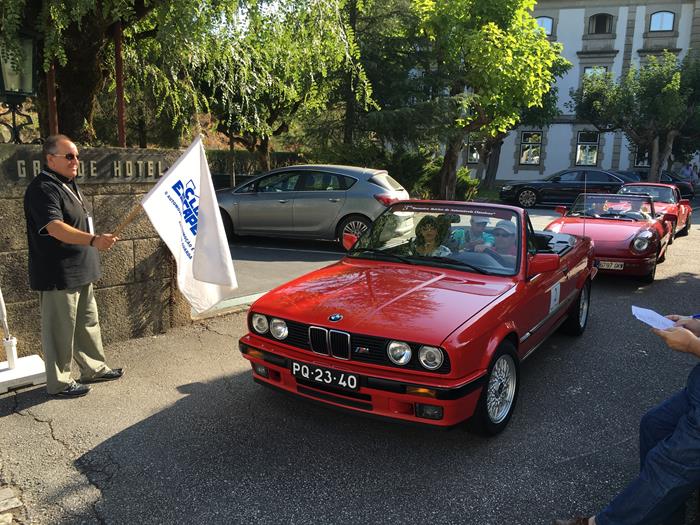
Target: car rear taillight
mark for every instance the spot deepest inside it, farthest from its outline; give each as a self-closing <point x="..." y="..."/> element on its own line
<point x="386" y="199"/>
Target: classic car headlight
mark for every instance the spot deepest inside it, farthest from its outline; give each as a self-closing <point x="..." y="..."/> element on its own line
<point x="399" y="352"/>
<point x="278" y="329"/>
<point x="641" y="242"/>
<point x="507" y="187"/>
<point x="430" y="357"/>
<point x="259" y="323"/>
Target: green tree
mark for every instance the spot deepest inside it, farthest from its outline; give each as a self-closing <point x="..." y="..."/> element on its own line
<point x="491" y="60"/>
<point x="652" y="104"/>
<point x="76" y="35"/>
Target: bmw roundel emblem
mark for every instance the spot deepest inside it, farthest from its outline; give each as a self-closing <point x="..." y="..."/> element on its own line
<point x="335" y="317"/>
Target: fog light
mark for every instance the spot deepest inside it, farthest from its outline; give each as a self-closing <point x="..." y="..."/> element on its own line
<point x="428" y="411"/>
<point x="261" y="370"/>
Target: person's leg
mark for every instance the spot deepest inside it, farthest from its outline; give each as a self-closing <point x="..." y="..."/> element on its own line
<point x="89" y="353"/>
<point x="58" y="310"/>
<point x="660" y="422"/>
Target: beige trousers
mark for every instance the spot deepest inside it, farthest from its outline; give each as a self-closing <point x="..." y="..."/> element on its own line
<point x="70" y="329"/>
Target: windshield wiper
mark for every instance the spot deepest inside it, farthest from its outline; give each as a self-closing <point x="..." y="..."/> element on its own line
<point x="455" y="262"/>
<point x="375" y="251"/>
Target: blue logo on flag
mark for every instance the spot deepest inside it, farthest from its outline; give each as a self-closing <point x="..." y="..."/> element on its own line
<point x="190" y="203"/>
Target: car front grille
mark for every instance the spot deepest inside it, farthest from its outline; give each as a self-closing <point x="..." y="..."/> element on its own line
<point x="349" y="346"/>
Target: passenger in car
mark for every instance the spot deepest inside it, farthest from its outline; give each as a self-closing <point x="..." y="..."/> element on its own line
<point x="429" y="234"/>
<point x="476" y="237"/>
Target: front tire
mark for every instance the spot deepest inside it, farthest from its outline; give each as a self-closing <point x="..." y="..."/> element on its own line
<point x="686" y="229"/>
<point x="527" y="198"/>
<point x="649" y="278"/>
<point x="498" y="397"/>
<point x="577" y="320"/>
<point x="228" y="224"/>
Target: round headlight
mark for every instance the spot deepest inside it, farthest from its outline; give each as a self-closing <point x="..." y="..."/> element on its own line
<point x="430" y="357"/>
<point x="278" y="329"/>
<point x="399" y="352"/>
<point x="642" y="241"/>
<point x="259" y="323"/>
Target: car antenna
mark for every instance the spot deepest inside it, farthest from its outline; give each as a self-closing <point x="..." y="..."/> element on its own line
<point x="585" y="198"/>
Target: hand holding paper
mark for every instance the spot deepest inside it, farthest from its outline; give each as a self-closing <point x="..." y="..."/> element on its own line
<point x="652" y="318"/>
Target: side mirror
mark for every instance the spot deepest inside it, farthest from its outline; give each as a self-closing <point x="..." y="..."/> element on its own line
<point x="541" y="263"/>
<point x="670" y="217"/>
<point x="684" y="202"/>
<point x="349" y="240"/>
<point x="561" y="210"/>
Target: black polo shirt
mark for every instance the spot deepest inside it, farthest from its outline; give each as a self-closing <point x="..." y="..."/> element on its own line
<point x="55" y="265"/>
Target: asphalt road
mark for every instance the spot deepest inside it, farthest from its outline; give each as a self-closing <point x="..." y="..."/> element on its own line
<point x="186" y="436"/>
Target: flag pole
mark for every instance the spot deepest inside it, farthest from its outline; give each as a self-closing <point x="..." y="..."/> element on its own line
<point x="129" y="218"/>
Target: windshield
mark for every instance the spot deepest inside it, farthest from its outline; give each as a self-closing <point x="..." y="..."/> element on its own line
<point x="631" y="207"/>
<point x="477" y="239"/>
<point x="659" y="193"/>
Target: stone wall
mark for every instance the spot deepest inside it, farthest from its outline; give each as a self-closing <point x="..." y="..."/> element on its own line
<point x="136" y="295"/>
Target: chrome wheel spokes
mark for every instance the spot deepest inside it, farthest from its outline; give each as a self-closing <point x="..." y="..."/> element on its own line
<point x="501" y="389"/>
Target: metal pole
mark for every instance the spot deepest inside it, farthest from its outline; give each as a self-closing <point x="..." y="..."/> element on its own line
<point x="51" y="95"/>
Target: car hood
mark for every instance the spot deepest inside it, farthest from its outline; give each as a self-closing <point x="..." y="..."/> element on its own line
<point x="605" y="230"/>
<point x="411" y="303"/>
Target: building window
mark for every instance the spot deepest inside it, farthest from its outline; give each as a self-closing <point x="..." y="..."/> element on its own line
<point x="545" y="23"/>
<point x="594" y="70"/>
<point x="641" y="157"/>
<point x="661" y="21"/>
<point x="587" y="148"/>
<point x="600" y="24"/>
<point x="530" y="148"/>
<point x="472" y="152"/>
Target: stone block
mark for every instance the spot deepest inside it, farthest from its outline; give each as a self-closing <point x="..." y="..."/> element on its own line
<point x="13" y="234"/>
<point x="118" y="208"/>
<point x="181" y="309"/>
<point x="134" y="310"/>
<point x="117" y="265"/>
<point x="152" y="260"/>
<point x="14" y="277"/>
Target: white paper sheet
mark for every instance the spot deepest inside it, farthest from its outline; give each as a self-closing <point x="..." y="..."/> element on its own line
<point x="651" y="318"/>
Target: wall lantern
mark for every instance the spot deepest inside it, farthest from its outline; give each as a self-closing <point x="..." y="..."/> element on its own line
<point x="18" y="83"/>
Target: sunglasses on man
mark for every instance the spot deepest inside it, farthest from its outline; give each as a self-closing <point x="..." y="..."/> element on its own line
<point x="67" y="156"/>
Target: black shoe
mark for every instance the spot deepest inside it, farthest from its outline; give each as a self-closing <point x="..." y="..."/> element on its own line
<point x="73" y="390"/>
<point x="109" y="375"/>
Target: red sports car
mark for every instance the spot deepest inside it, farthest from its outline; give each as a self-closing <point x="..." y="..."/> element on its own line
<point x="629" y="237"/>
<point x="427" y="317"/>
<point x="667" y="199"/>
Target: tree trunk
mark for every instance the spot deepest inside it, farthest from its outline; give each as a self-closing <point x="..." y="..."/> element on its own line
<point x="448" y="171"/>
<point x="653" y="175"/>
<point x="231" y="159"/>
<point x="142" y="132"/>
<point x="263" y="153"/>
<point x="665" y="153"/>
<point x="350" y="108"/>
<point x="492" y="166"/>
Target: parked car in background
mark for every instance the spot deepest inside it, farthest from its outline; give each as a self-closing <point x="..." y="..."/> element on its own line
<point x="430" y="336"/>
<point x="308" y="201"/>
<point x="667" y="177"/>
<point x="667" y="199"/>
<point x="563" y="187"/>
<point x="628" y="236"/>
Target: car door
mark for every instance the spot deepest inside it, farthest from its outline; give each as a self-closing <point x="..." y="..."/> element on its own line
<point x="546" y="297"/>
<point x="318" y="203"/>
<point x="601" y="182"/>
<point x="564" y="188"/>
<point x="266" y="206"/>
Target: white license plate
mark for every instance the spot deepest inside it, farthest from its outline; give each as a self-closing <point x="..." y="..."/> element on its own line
<point x="611" y="265"/>
<point x="325" y="376"/>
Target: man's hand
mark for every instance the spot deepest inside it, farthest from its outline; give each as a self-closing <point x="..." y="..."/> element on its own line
<point x="104" y="241"/>
<point x="686" y="322"/>
<point x="680" y="339"/>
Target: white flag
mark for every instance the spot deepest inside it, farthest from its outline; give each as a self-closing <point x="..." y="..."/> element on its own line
<point x="183" y="209"/>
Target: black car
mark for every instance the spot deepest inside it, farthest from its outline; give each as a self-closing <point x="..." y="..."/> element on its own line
<point x="563" y="187"/>
<point x="667" y="177"/>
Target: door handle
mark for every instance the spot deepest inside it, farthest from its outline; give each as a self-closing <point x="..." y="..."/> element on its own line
<point x="334" y="200"/>
<point x="282" y="201"/>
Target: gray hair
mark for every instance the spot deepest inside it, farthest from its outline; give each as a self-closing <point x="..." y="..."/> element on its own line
<point x="51" y="144"/>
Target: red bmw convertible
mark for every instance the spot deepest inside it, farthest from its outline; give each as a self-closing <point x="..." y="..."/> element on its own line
<point x="427" y="317"/>
<point x="629" y="236"/>
<point x="667" y="199"/>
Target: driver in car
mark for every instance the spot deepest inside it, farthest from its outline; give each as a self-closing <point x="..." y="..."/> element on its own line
<point x="504" y="238"/>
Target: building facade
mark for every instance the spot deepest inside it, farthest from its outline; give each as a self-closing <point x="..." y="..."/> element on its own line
<point x="596" y="35"/>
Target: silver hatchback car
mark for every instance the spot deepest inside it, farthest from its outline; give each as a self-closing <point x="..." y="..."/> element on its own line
<point x="311" y="201"/>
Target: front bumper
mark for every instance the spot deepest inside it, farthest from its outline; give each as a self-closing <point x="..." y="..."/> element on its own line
<point x="637" y="266"/>
<point x="454" y="401"/>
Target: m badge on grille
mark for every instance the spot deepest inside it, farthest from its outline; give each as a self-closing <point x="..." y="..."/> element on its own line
<point x="361" y="350"/>
<point x="335" y="317"/>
